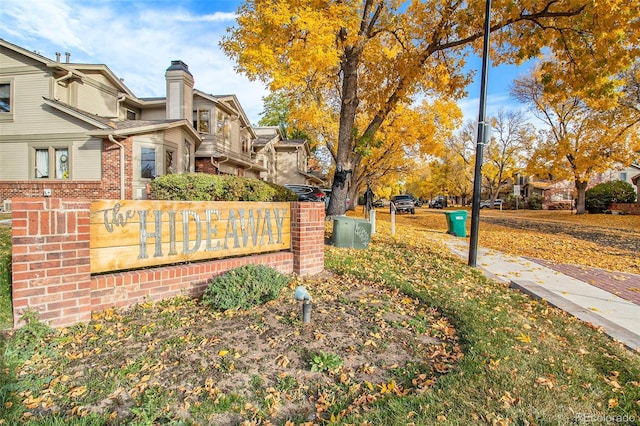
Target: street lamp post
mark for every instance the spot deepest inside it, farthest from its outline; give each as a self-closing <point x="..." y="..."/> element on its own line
<point x="481" y="139"/>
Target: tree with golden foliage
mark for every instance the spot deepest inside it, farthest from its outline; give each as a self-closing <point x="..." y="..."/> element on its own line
<point x="585" y="134"/>
<point x="406" y="137"/>
<point x="512" y="140"/>
<point x="353" y="63"/>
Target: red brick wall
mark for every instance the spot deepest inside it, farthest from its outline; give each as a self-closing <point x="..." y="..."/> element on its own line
<point x="203" y="165"/>
<point x="307" y="237"/>
<point x="51" y="263"/>
<point x="626" y="208"/>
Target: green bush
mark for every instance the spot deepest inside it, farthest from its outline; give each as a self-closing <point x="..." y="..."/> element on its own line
<point x="206" y="187"/>
<point x="534" y="202"/>
<point x="244" y="287"/>
<point x="599" y="198"/>
<point x="510" y="202"/>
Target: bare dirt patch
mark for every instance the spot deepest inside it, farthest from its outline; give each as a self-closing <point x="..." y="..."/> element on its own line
<point x="263" y="363"/>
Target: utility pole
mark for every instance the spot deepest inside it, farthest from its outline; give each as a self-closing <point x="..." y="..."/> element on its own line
<point x="481" y="140"/>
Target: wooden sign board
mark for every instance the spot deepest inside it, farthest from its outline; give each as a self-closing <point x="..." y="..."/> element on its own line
<point x="128" y="234"/>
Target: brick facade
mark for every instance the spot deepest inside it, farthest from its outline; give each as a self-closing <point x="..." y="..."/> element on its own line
<point x="626" y="208"/>
<point x="203" y="165"/>
<point x="51" y="263"/>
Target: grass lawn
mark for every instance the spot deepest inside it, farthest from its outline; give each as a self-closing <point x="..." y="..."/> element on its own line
<point x="490" y="355"/>
<point x="6" y="315"/>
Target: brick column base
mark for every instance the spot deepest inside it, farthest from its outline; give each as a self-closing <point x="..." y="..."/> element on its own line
<point x="307" y="237"/>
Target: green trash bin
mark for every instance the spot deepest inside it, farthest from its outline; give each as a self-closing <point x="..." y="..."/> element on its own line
<point x="343" y="231"/>
<point x="350" y="232"/>
<point x="457" y="222"/>
<point x="361" y="234"/>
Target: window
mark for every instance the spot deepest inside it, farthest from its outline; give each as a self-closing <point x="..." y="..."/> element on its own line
<point x="148" y="163"/>
<point x="186" y="160"/>
<point x="131" y="115"/>
<point x="203" y="121"/>
<point x="245" y="145"/>
<point x="623" y="176"/>
<point x="51" y="163"/>
<point x="5" y="97"/>
<point x="169" y="162"/>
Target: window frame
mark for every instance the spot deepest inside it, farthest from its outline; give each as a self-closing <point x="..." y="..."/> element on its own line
<point x="155" y="162"/>
<point x="203" y="116"/>
<point x="170" y="157"/>
<point x="186" y="156"/>
<point x="52" y="162"/>
<point x="8" y="115"/>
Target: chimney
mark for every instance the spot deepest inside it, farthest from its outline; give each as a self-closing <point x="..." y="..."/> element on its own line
<point x="57" y="56"/>
<point x="67" y="55"/>
<point x="179" y="91"/>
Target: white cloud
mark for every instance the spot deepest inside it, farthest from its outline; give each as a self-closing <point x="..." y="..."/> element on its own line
<point x="136" y="40"/>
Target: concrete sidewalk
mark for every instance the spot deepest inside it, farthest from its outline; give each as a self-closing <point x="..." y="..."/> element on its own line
<point x="618" y="317"/>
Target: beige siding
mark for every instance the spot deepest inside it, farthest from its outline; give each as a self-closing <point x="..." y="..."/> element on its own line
<point x="287" y="168"/>
<point x="13" y="161"/>
<point x="154" y="113"/>
<point x="86" y="160"/>
<point x="95" y="98"/>
<point x="152" y="140"/>
<point x="30" y="112"/>
<point x="16" y="157"/>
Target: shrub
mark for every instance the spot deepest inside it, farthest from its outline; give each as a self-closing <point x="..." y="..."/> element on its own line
<point x="206" y="187"/>
<point x="534" y="202"/>
<point x="599" y="198"/>
<point x="510" y="202"/>
<point x="244" y="287"/>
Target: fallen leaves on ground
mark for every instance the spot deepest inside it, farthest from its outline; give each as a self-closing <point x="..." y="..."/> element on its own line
<point x="610" y="242"/>
<point x="244" y="364"/>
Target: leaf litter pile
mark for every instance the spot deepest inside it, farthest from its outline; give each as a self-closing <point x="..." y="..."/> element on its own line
<point x="363" y="341"/>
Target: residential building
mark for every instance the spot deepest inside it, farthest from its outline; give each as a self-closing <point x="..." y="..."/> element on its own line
<point x="77" y="131"/>
<point x="626" y="174"/>
<point x="285" y="161"/>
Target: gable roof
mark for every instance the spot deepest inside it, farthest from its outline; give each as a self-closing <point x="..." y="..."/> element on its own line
<point x="76" y="69"/>
<point x="230" y="104"/>
<point x="106" y="126"/>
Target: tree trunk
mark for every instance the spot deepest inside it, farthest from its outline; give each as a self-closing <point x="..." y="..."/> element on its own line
<point x="346" y="143"/>
<point x="581" y="187"/>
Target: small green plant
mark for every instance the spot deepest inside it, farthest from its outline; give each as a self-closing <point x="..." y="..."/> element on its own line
<point x="323" y="361"/>
<point x="286" y="383"/>
<point x="244" y="287"/>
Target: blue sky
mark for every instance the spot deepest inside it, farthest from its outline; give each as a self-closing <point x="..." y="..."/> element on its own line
<point x="138" y="40"/>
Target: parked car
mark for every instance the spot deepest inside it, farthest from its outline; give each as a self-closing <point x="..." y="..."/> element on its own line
<point x="437" y="203"/>
<point x="403" y="203"/>
<point x="307" y="192"/>
<point x="487" y="203"/>
<point x="378" y="203"/>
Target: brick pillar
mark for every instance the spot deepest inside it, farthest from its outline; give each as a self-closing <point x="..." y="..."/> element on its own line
<point x="307" y="237"/>
<point x="51" y="260"/>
